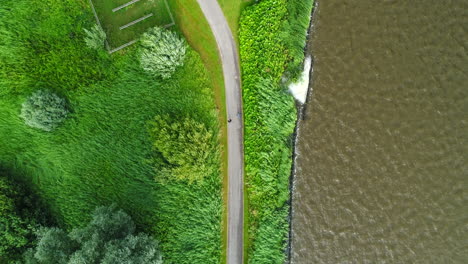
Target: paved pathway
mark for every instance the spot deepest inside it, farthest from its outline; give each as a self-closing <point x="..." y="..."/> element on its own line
<point x="230" y="60"/>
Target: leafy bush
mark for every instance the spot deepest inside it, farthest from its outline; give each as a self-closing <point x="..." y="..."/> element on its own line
<point x="267" y="53"/>
<point x="187" y="145"/>
<point x="162" y="51"/>
<point x="95" y="37"/>
<point x="108" y="238"/>
<point x="44" y="110"/>
<point x="15" y="232"/>
<point x="20" y="214"/>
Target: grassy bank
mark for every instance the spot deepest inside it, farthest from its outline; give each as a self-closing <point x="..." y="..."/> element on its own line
<point x="102" y="153"/>
<point x="192" y="23"/>
<point x="232" y="10"/>
<point x="272" y="39"/>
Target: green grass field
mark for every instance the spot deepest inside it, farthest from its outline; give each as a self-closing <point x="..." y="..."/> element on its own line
<point x="112" y="21"/>
<point x="102" y="153"/>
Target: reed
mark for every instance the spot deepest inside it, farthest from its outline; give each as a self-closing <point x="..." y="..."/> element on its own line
<point x="272" y="39"/>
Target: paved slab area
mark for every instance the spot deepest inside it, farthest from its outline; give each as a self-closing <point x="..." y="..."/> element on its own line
<point x="135" y="21"/>
<point x="124" y="5"/>
<point x="125" y="25"/>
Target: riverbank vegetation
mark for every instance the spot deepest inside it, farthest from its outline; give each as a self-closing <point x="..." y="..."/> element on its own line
<point x="103" y="151"/>
<point x="272" y="40"/>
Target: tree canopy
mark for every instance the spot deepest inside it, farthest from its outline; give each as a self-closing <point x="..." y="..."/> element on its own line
<point x="20" y="215"/>
<point x="44" y="110"/>
<point x="14" y="230"/>
<point x="108" y="238"/>
<point x="186" y="145"/>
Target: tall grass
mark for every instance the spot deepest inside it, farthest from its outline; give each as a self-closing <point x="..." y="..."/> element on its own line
<point x="102" y="153"/>
<point x="192" y="23"/>
<point x="293" y="34"/>
<point x="272" y="39"/>
<point x="232" y="11"/>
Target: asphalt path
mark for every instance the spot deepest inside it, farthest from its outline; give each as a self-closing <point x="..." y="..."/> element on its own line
<point x="230" y="62"/>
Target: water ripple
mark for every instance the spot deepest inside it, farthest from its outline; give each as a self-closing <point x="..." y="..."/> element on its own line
<point x="382" y="166"/>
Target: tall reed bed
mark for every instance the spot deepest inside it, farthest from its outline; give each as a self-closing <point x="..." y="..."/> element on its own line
<point x="272" y="39"/>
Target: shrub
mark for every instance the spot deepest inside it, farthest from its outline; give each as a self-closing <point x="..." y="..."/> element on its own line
<point x="162" y="52"/>
<point x="20" y="215"/>
<point x="187" y="146"/>
<point x="95" y="38"/>
<point x="44" y="110"/>
<point x="15" y="232"/>
<point x="108" y="238"/>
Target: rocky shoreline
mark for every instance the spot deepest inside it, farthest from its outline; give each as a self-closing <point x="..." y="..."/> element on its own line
<point x="301" y="109"/>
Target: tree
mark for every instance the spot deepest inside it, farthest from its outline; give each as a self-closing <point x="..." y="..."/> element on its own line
<point x="162" y="51"/>
<point x="95" y="37"/>
<point x="44" y="110"/>
<point x="14" y="230"/>
<point x="187" y="146"/>
<point x="54" y="246"/>
<point x="108" y="238"/>
<point x="20" y="215"/>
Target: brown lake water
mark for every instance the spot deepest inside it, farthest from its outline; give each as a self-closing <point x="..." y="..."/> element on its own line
<point x="382" y="151"/>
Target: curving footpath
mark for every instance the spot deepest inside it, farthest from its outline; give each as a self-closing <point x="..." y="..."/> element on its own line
<point x="230" y="61"/>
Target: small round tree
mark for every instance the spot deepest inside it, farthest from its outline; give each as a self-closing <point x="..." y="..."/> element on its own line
<point x="162" y="51"/>
<point x="44" y="110"/>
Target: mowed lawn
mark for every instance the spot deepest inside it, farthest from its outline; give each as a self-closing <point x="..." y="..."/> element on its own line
<point x="112" y="21"/>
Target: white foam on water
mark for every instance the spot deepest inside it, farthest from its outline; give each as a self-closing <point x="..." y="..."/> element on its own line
<point x="300" y="88"/>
